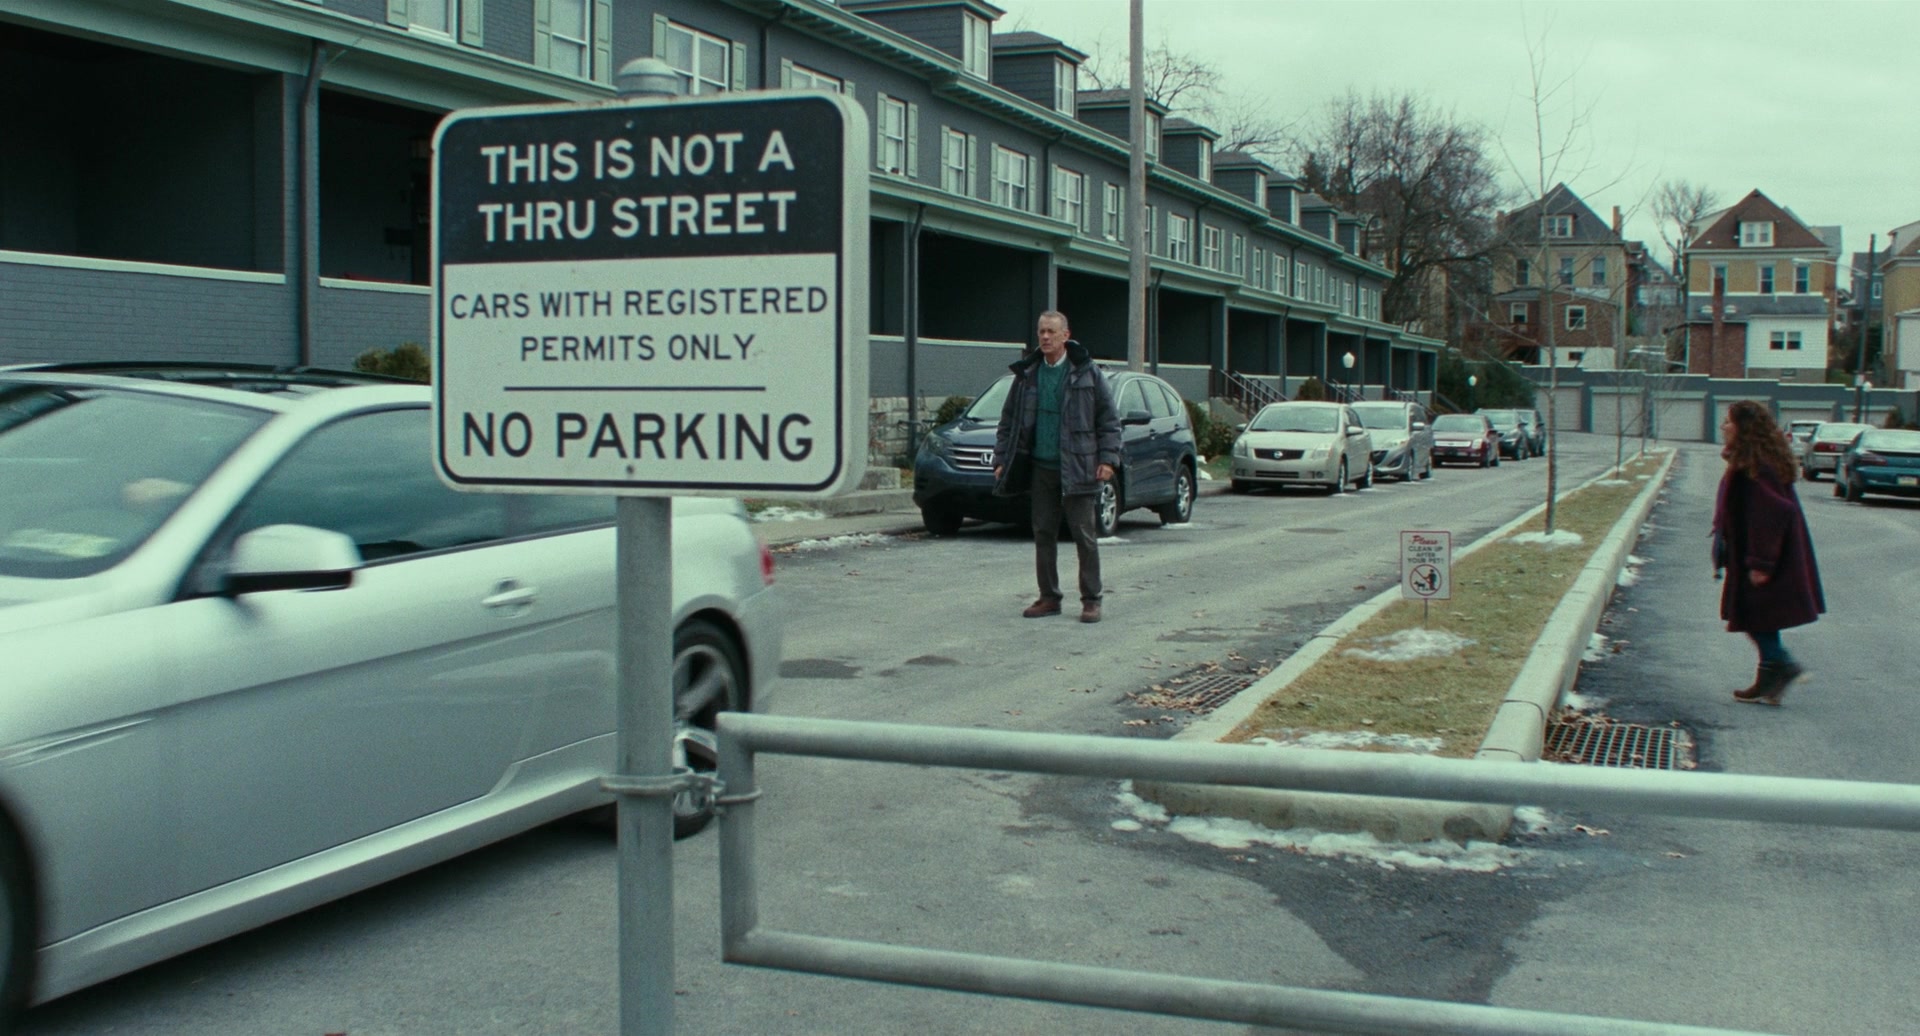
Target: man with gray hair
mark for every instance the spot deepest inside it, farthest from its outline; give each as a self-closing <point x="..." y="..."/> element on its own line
<point x="1059" y="439"/>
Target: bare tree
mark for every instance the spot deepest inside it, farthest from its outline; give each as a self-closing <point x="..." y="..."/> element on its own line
<point x="1193" y="89"/>
<point x="1679" y="205"/>
<point x="1424" y="178"/>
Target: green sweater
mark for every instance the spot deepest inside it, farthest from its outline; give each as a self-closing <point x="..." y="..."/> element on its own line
<point x="1050" y="393"/>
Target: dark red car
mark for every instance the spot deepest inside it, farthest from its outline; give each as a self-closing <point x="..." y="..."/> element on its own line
<point x="1465" y="439"/>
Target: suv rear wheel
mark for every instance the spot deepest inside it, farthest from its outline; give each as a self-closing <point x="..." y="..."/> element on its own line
<point x="940" y="521"/>
<point x="1106" y="508"/>
<point x="1180" y="508"/>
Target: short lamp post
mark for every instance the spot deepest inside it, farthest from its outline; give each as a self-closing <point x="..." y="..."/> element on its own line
<point x="1347" y="362"/>
<point x="1472" y="380"/>
<point x="1861" y="387"/>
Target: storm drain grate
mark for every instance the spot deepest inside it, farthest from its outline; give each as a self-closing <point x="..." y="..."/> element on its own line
<point x="1207" y="691"/>
<point x="1615" y="744"/>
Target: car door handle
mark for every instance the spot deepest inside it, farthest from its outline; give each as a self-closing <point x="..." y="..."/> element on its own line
<point x="510" y="594"/>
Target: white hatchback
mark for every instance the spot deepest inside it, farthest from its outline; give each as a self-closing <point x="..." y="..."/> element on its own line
<point x="257" y="656"/>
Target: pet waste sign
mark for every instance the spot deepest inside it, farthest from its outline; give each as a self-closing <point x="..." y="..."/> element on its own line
<point x="1426" y="565"/>
<point x="652" y="297"/>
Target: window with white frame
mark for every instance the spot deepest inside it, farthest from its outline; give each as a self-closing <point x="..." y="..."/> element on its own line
<point x="1875" y="291"/>
<point x="1180" y="238"/>
<point x="956" y="162"/>
<point x="1113" y="212"/>
<point x="1802" y="276"/>
<point x="432" y="15"/>
<point x="1346" y="297"/>
<point x="1784" y="341"/>
<point x="1210" y="247"/>
<point x="1719" y="282"/>
<point x="1151" y="217"/>
<point x="1320" y="285"/>
<point x="1258" y="275"/>
<point x="1576" y="318"/>
<point x="1153" y="137"/>
<point x="975" y="55"/>
<point x="1558" y="226"/>
<point x="1522" y="273"/>
<point x="1517" y="312"/>
<point x="570" y="43"/>
<point x="1066" y="86"/>
<point x="704" y="61"/>
<point x="1599" y="271"/>
<point x="1765" y="270"/>
<point x="1566" y="269"/>
<point x="1070" y="197"/>
<point x="1012" y="179"/>
<point x="1756" y="235"/>
<point x="1301" y="283"/>
<point x="1206" y="159"/>
<point x="1260" y="189"/>
<point x="1237" y="256"/>
<point x="1279" y="274"/>
<point x="800" y="77"/>
<point x="890" y="148"/>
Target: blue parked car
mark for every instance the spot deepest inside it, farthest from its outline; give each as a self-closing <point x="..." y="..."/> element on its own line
<point x="1879" y="460"/>
<point x="953" y="471"/>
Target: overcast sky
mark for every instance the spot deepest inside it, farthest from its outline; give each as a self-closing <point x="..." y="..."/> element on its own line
<point x="1814" y="102"/>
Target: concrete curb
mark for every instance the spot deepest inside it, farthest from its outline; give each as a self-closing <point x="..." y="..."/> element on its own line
<point x="1517" y="731"/>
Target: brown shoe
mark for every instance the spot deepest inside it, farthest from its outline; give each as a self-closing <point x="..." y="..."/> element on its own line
<point x="1042" y="607"/>
<point x="1090" y="612"/>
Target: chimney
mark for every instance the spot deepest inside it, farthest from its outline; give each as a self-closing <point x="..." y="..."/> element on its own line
<point x="1616" y="221"/>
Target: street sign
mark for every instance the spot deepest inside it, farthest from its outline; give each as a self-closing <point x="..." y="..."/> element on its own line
<point x="1426" y="565"/>
<point x="652" y="297"/>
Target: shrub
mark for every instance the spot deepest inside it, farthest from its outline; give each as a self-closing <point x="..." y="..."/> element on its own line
<point x="406" y="360"/>
<point x="1218" y="441"/>
<point x="953" y="407"/>
<point x="1312" y="389"/>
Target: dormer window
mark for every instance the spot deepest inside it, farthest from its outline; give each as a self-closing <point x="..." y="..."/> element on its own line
<point x="1558" y="226"/>
<point x="1756" y="235"/>
<point x="1153" y="137"/>
<point x="1206" y="159"/>
<point x="1066" y="85"/>
<point x="975" y="55"/>
<point x="1260" y="189"/>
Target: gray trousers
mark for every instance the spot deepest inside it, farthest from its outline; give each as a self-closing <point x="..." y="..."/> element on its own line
<point x="1048" y="506"/>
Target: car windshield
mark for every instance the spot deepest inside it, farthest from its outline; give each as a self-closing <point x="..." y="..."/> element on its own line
<point x="1502" y="419"/>
<point x="1896" y="440"/>
<point x="986" y="409"/>
<point x="1382" y="416"/>
<point x="91" y="473"/>
<point x="1458" y="423"/>
<point x="1295" y="419"/>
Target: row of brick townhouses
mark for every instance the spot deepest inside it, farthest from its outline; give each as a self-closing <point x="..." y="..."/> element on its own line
<point x="249" y="180"/>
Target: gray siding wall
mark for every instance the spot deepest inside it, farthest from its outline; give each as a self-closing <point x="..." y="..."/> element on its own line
<point x="349" y="321"/>
<point x="54" y="313"/>
<point x="938" y="28"/>
<point x="941" y="370"/>
<point x="1030" y="76"/>
<point x="1111" y="121"/>
<point x="1181" y="152"/>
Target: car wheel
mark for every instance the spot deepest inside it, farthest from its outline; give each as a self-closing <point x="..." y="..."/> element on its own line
<point x="1340" y="480"/>
<point x="1854" y="491"/>
<point x="1366" y="478"/>
<point x="1807" y="473"/>
<point x="940" y="521"/>
<point x="17" y="927"/>
<point x="708" y="679"/>
<point x="1240" y="485"/>
<point x="1427" y="471"/>
<point x="1839" y="490"/>
<point x="1106" y="509"/>
<point x="1181" y="507"/>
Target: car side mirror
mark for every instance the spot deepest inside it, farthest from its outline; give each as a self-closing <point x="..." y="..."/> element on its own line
<point x="1419" y="426"/>
<point x="290" y="557"/>
<point x="1136" y="417"/>
<point x="1354" y="429"/>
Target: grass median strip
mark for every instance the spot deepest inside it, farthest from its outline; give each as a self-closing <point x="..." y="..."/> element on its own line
<point x="1445" y="680"/>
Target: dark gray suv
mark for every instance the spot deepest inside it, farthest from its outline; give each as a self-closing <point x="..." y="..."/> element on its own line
<point x="953" y="471"/>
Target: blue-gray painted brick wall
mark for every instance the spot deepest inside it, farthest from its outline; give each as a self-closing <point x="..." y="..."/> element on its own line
<point x="54" y="313"/>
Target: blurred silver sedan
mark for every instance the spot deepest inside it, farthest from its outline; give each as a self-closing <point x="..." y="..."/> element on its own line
<point x="258" y="657"/>
<point x="1299" y="442"/>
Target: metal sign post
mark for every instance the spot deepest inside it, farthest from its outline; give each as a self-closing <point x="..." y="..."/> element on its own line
<point x="654" y="297"/>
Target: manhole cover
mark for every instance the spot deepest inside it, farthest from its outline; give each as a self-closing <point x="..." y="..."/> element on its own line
<point x="1617" y="744"/>
<point x="1198" y="692"/>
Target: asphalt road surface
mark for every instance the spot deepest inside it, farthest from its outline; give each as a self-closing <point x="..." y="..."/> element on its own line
<point x="1802" y="929"/>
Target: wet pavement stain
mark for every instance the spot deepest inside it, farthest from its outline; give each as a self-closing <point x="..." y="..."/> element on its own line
<point x="818" y="669"/>
<point x="933" y="660"/>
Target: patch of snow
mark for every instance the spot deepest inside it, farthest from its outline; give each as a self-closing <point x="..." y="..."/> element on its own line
<point x="1636" y="560"/>
<point x="1628" y="576"/>
<point x="1596" y="649"/>
<point x="786" y="514"/>
<point x="1128" y="825"/>
<point x="1409" y="644"/>
<point x="1351" y="739"/>
<point x="1612" y="482"/>
<point x="1531" y="820"/>
<point x="1581" y="702"/>
<point x="1205" y="475"/>
<point x="1558" y="538"/>
<point x="853" y="539"/>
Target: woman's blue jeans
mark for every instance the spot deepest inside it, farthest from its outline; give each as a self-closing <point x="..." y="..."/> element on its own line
<point x="1772" y="652"/>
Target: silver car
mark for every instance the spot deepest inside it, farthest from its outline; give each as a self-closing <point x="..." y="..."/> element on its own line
<point x="258" y="657"/>
<point x="1299" y="442"/>
<point x="1402" y="443"/>
<point x="1824" y="447"/>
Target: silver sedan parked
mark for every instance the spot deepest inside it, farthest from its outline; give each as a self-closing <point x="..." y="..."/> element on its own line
<point x="258" y="657"/>
<point x="1821" y="454"/>
<point x="1300" y="442"/>
<point x="1402" y="443"/>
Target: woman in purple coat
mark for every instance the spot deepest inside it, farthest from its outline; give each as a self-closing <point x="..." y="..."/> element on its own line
<point x="1760" y="536"/>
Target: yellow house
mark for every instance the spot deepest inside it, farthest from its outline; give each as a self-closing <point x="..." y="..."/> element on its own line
<point x="1760" y="293"/>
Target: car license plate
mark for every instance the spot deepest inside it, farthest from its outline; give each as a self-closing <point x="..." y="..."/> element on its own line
<point x="1910" y="480"/>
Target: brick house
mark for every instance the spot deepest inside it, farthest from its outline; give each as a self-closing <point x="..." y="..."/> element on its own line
<point x="1760" y="293"/>
<point x="1559" y="264"/>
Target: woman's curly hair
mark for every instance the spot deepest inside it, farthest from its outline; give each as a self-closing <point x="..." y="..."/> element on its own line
<point x="1758" y="447"/>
